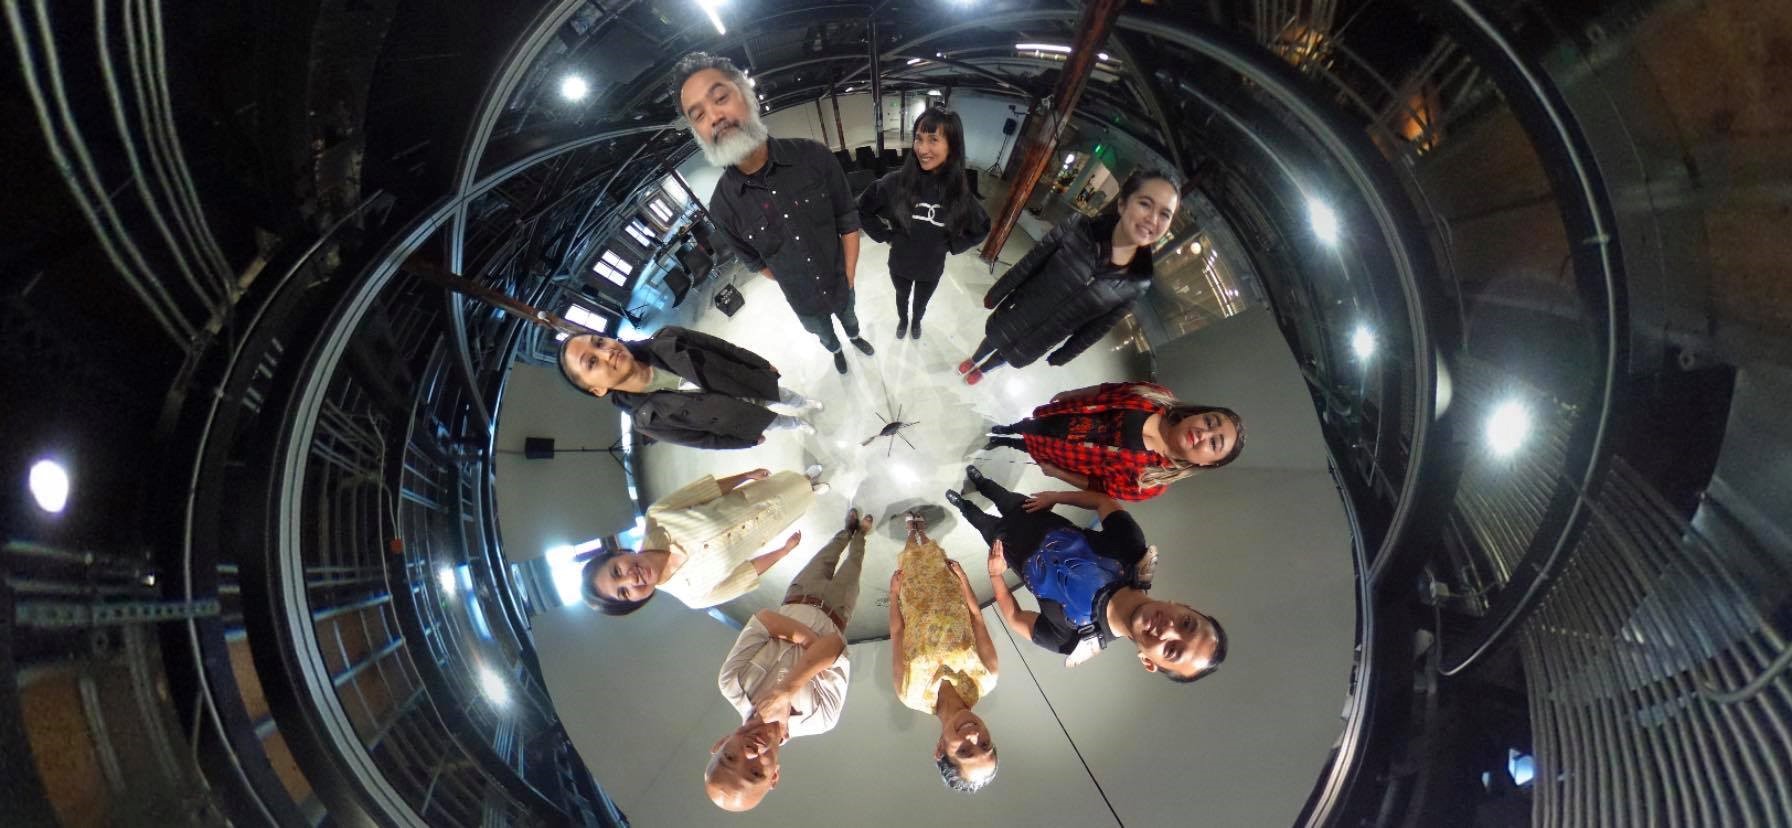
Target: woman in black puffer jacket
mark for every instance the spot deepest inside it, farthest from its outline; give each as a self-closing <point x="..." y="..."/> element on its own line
<point x="1077" y="282"/>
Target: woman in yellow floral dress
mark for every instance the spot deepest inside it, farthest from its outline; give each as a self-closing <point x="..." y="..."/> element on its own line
<point x="944" y="659"/>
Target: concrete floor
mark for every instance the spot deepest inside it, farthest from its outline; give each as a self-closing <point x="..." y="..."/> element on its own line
<point x="913" y="380"/>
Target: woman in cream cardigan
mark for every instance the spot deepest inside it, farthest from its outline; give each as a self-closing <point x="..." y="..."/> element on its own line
<point x="704" y="544"/>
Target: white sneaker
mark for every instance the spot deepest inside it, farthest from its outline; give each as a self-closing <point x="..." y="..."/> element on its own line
<point x="805" y="428"/>
<point x="812" y="471"/>
<point x="812" y="405"/>
<point x="819" y="488"/>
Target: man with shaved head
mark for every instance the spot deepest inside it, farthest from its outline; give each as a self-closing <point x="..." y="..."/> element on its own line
<point x="782" y="203"/>
<point x="788" y="671"/>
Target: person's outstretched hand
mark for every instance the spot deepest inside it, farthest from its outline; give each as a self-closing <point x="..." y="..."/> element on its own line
<point x="1042" y="501"/>
<point x="758" y="474"/>
<point x="998" y="564"/>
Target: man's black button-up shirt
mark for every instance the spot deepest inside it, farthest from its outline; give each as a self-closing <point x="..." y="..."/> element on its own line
<point x="789" y="217"/>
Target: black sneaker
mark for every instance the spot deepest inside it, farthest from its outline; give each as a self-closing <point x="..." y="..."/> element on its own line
<point x="975" y="474"/>
<point x="954" y="498"/>
<point x="1001" y="429"/>
<point x="915" y="332"/>
<point x="840" y="361"/>
<point x="902" y="328"/>
<point x="863" y="346"/>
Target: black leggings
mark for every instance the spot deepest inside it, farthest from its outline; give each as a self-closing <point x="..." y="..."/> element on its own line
<point x="1019" y="530"/>
<point x="923" y="291"/>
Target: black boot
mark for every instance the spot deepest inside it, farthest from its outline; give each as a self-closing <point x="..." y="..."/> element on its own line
<point x="916" y="332"/>
<point x="863" y="346"/>
<point x="840" y="361"/>
<point x="902" y="328"/>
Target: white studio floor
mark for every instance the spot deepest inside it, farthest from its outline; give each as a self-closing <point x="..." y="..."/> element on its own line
<point x="915" y="380"/>
<point x="1263" y="545"/>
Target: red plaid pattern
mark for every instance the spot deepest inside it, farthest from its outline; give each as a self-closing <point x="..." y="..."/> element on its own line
<point x="1112" y="470"/>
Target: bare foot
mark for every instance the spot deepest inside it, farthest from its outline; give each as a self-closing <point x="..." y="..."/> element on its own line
<point x="865" y="524"/>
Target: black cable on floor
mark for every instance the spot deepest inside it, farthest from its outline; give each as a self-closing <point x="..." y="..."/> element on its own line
<point x="1060" y="720"/>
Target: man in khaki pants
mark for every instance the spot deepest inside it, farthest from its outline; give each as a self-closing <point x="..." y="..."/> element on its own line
<point x="788" y="671"/>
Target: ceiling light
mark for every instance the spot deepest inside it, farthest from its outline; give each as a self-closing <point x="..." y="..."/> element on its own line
<point x="934" y="92"/>
<point x="1195" y="248"/>
<point x="1102" y="55"/>
<point x="1508" y="427"/>
<point x="709" y="8"/>
<point x="1069" y="157"/>
<point x="49" y="485"/>
<point x="913" y="61"/>
<point x="493" y="686"/>
<point x="445" y="577"/>
<point x="1363" y="343"/>
<point x="1324" y="221"/>
<point x="1042" y="47"/>
<point x="574" y="88"/>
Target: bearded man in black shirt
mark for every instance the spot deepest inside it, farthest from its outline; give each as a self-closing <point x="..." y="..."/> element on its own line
<point x="782" y="203"/>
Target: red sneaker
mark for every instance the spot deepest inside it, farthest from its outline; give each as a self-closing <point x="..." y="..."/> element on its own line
<point x="966" y="366"/>
<point x="974" y="377"/>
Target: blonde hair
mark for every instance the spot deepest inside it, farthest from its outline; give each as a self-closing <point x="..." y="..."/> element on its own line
<point x="1175" y="410"/>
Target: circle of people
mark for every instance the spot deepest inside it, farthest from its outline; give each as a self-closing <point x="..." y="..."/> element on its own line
<point x="785" y="208"/>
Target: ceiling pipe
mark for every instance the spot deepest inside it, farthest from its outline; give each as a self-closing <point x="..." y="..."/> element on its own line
<point x="1092" y="32"/>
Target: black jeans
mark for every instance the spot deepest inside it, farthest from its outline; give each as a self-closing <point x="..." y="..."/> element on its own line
<point x="923" y="291"/>
<point x="822" y="325"/>
<point x="1019" y="530"/>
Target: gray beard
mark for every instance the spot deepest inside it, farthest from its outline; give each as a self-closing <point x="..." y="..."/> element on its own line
<point x="737" y="144"/>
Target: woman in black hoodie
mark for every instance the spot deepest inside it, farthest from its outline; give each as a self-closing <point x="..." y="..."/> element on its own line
<point x="924" y="211"/>
<point x="1078" y="281"/>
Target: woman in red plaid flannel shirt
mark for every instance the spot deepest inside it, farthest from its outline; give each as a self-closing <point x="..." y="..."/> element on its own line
<point x="1127" y="440"/>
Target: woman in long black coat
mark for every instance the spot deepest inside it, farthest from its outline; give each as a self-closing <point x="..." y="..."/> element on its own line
<point x="686" y="387"/>
<point x="1077" y="282"/>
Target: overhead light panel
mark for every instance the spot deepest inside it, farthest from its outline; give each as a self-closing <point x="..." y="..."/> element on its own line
<point x="1323" y="219"/>
<point x="1508" y="427"/>
<point x="49" y="485"/>
<point x="913" y="61"/>
<point x="1363" y="343"/>
<point x="934" y="92"/>
<point x="1043" y="47"/>
<point x="709" y="8"/>
<point x="445" y="577"/>
<point x="493" y="686"/>
<point x="574" y="88"/>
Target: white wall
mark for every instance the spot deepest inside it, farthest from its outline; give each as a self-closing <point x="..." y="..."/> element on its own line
<point x="571" y="498"/>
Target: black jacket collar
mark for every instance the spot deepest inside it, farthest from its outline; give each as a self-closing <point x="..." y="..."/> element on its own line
<point x="778" y="153"/>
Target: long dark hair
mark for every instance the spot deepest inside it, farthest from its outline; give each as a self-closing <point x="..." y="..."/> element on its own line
<point x="598" y="601"/>
<point x="1135" y="181"/>
<point x="908" y="179"/>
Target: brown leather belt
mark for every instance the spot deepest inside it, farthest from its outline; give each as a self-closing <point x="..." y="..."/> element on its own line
<point x="810" y="600"/>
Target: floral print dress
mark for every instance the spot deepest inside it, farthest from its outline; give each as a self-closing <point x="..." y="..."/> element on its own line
<point x="938" y="639"/>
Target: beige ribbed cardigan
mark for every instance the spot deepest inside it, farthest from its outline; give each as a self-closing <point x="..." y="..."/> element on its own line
<point x="719" y="533"/>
